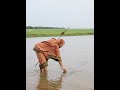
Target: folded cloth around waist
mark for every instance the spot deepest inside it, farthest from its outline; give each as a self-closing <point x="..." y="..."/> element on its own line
<point x="43" y="65"/>
<point x="55" y="58"/>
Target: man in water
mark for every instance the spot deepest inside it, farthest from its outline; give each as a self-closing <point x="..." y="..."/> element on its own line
<point x="49" y="49"/>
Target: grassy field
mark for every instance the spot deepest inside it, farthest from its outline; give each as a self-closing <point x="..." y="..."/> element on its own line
<point x="57" y="32"/>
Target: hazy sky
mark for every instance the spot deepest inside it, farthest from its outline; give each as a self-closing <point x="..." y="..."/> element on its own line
<point x="60" y="13"/>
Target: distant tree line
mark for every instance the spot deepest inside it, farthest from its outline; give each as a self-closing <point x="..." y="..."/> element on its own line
<point x="41" y="27"/>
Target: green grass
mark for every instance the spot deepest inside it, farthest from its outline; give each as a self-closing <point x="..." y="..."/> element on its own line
<point x="57" y="32"/>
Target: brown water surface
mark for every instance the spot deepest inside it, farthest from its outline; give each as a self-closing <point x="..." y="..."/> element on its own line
<point x="78" y="57"/>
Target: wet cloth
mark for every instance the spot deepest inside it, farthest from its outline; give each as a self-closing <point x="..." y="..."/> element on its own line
<point x="48" y="49"/>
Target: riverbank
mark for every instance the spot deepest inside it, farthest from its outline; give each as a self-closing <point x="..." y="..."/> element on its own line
<point x="57" y="32"/>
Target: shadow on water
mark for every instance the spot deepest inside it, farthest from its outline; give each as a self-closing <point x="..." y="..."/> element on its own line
<point x="46" y="84"/>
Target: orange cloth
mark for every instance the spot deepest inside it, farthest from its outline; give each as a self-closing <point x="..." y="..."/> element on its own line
<point x="48" y="48"/>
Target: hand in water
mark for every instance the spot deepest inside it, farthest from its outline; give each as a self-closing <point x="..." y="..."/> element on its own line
<point x="64" y="70"/>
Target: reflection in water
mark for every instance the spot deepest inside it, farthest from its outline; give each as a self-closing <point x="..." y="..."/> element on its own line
<point x="80" y="75"/>
<point x="46" y="84"/>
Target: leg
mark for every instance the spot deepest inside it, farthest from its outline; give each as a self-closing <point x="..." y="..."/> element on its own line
<point x="43" y="63"/>
<point x="46" y="71"/>
<point x="43" y="68"/>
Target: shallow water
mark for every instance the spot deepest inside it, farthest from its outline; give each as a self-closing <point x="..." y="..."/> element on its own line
<point x="78" y="57"/>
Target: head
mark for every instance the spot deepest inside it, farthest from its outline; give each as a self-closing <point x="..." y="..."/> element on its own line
<point x="61" y="42"/>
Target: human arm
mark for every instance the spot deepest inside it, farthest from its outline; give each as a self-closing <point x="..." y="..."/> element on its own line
<point x="62" y="66"/>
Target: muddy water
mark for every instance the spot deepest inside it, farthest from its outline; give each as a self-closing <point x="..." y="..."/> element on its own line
<point x="78" y="57"/>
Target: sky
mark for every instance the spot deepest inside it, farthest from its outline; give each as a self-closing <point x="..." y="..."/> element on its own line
<point x="60" y="13"/>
